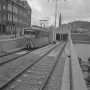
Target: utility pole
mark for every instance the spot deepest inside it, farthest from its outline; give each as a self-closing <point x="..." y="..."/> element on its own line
<point x="12" y="19"/>
<point x="56" y="7"/>
<point x="1" y="20"/>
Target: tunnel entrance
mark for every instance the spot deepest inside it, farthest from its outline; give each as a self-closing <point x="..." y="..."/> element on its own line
<point x="61" y="37"/>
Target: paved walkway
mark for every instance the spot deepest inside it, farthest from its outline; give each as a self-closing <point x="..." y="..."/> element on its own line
<point x="73" y="76"/>
<point x="77" y="75"/>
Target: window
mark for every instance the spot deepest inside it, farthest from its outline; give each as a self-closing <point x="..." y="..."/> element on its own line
<point x="4" y="7"/>
<point x="4" y="17"/>
<point x="9" y="17"/>
<point x="15" y="19"/>
<point x="9" y="7"/>
<point x="0" y="7"/>
<point x="15" y="10"/>
<point x="0" y="18"/>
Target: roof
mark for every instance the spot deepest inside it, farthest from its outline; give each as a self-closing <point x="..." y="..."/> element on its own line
<point x="36" y="28"/>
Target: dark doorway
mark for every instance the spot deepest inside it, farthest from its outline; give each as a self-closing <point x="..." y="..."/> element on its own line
<point x="2" y="29"/>
<point x="58" y="36"/>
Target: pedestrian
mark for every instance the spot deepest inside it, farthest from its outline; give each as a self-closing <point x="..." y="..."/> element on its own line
<point x="80" y="60"/>
<point x="88" y="70"/>
<point x="89" y="64"/>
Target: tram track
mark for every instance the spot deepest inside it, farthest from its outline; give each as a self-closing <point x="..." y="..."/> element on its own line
<point x="11" y="52"/>
<point x="55" y="66"/>
<point x="4" y="83"/>
<point x="40" y="74"/>
<point x="14" y="55"/>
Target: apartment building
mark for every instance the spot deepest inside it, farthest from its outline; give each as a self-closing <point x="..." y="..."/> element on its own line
<point x="14" y="16"/>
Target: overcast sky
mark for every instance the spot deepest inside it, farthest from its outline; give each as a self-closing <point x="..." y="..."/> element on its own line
<point x="70" y="9"/>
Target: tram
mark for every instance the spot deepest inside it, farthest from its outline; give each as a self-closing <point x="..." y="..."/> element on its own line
<point x="36" y="37"/>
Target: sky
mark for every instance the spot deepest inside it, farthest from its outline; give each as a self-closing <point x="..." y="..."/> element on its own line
<point x="71" y="10"/>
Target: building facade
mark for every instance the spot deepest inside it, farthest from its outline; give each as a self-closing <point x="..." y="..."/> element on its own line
<point x="14" y="16"/>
